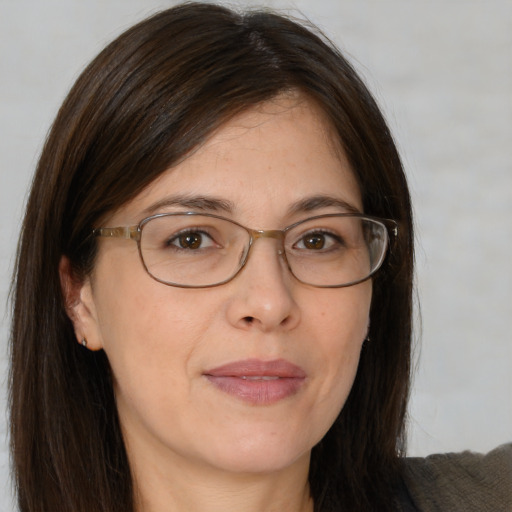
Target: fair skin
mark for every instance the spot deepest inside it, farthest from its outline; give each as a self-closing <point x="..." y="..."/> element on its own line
<point x="191" y="445"/>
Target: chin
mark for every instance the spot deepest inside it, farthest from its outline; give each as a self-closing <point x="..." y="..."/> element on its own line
<point x="264" y="462"/>
<point x="263" y="453"/>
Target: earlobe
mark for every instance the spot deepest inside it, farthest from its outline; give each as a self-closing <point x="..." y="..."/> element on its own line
<point x="80" y="306"/>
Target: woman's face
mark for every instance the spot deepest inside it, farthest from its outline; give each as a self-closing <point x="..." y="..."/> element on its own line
<point x="181" y="357"/>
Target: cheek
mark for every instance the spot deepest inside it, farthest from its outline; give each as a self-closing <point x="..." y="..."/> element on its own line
<point x="152" y="339"/>
<point x="149" y="331"/>
<point x="341" y="327"/>
<point x="341" y="317"/>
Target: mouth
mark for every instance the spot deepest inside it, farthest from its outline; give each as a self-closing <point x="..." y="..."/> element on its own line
<point x="259" y="377"/>
<point x="258" y="382"/>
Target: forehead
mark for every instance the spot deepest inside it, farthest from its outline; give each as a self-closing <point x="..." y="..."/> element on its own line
<point x="262" y="161"/>
<point x="278" y="115"/>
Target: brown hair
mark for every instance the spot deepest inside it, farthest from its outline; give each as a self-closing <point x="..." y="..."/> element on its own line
<point x="141" y="106"/>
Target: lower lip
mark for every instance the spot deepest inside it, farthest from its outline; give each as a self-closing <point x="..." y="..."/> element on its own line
<point x="258" y="391"/>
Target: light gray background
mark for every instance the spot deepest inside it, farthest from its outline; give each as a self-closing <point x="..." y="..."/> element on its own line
<point x="442" y="71"/>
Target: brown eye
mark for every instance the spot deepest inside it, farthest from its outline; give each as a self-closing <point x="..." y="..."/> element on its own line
<point x="194" y="239"/>
<point x="190" y="240"/>
<point x="319" y="242"/>
<point x="314" y="241"/>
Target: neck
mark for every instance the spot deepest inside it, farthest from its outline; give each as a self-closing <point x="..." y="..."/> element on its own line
<point x="200" y="489"/>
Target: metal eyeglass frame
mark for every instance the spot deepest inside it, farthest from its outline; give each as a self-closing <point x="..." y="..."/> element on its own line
<point x="135" y="233"/>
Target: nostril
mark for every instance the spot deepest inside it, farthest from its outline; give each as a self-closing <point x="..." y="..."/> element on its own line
<point x="248" y="319"/>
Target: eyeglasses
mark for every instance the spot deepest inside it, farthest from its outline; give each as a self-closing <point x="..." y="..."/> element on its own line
<point x="196" y="250"/>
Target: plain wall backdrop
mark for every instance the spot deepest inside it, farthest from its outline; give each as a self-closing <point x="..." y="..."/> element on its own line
<point x="442" y="72"/>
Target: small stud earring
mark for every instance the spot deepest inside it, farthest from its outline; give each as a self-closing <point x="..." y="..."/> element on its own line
<point x="84" y="342"/>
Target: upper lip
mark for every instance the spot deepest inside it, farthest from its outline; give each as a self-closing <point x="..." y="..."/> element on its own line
<point x="258" y="368"/>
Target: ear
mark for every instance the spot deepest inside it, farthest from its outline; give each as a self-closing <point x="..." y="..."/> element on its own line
<point x="80" y="306"/>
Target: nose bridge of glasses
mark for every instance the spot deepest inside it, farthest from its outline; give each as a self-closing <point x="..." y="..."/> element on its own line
<point x="270" y="233"/>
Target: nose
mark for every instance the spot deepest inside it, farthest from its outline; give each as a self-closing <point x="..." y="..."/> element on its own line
<point x="263" y="296"/>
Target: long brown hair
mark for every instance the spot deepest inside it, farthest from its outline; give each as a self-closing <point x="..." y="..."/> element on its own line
<point x="140" y="107"/>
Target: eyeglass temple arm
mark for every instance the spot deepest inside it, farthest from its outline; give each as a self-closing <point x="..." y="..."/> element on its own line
<point x="129" y="232"/>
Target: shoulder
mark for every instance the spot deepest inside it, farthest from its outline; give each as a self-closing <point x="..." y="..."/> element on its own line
<point x="455" y="482"/>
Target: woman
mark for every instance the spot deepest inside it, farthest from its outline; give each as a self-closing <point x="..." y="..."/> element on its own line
<point x="163" y="356"/>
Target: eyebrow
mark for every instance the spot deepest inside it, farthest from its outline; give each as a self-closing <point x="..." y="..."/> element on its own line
<point x="201" y="203"/>
<point x="215" y="204"/>
<point x="317" y="202"/>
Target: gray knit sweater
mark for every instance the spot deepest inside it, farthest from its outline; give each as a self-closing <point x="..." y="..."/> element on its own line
<point x="459" y="482"/>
